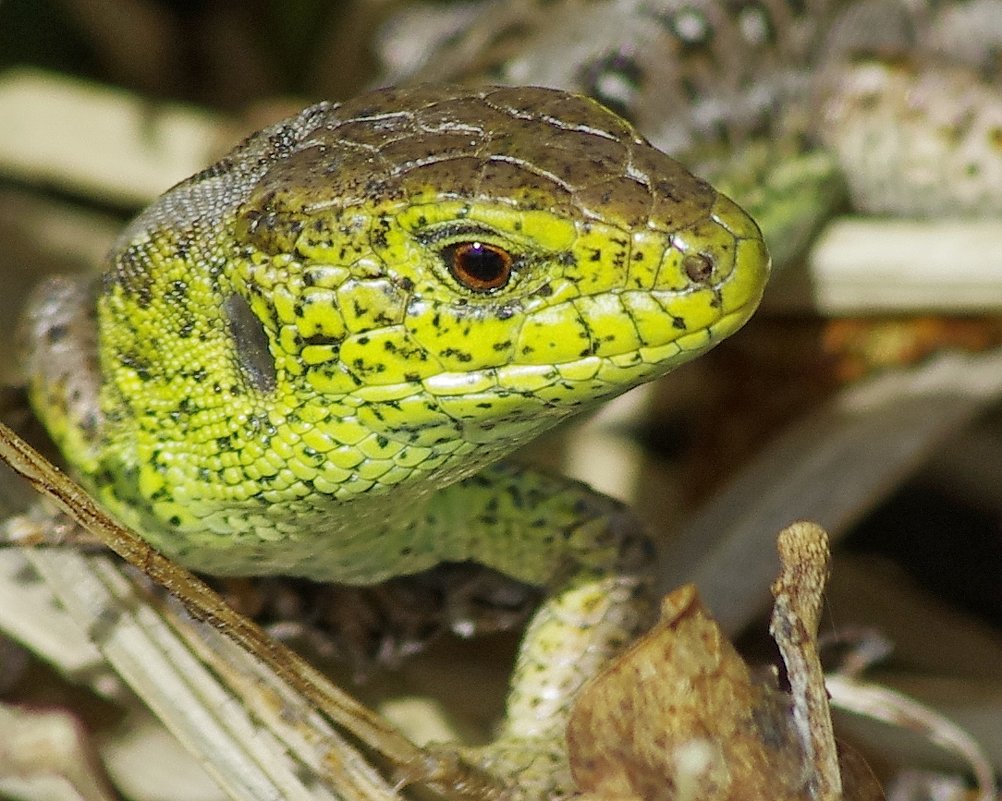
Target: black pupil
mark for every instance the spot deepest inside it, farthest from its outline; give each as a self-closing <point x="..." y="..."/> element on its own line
<point x="480" y="266"/>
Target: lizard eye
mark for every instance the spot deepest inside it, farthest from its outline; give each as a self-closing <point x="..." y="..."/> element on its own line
<point x="478" y="266"/>
<point x="251" y="341"/>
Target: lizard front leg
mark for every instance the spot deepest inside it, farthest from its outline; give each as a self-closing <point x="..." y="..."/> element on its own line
<point x="594" y="560"/>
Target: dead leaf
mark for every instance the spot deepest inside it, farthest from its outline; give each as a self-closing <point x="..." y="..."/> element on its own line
<point x="680" y="716"/>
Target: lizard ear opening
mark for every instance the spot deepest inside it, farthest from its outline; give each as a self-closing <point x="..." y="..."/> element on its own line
<point x="251" y="344"/>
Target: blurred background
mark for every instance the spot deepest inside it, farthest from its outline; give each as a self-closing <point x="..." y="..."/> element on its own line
<point x="880" y="420"/>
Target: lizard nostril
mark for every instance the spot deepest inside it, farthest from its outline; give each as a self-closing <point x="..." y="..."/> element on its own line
<point x="698" y="266"/>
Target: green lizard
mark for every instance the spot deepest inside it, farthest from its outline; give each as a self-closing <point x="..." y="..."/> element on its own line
<point x="309" y="358"/>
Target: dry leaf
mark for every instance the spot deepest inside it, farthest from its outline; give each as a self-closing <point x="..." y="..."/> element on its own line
<point x="680" y="716"/>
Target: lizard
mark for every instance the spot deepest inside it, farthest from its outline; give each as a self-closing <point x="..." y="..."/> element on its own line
<point x="310" y="358"/>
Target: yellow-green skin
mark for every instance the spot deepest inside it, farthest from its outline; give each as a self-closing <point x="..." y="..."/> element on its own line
<point x="289" y="380"/>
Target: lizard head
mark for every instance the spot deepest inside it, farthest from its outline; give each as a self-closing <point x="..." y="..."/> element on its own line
<point x="405" y="286"/>
<point x="476" y="263"/>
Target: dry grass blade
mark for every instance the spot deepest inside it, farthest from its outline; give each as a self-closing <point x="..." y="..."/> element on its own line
<point x="804" y="558"/>
<point x="896" y="709"/>
<point x="195" y="699"/>
<point x="440" y="769"/>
